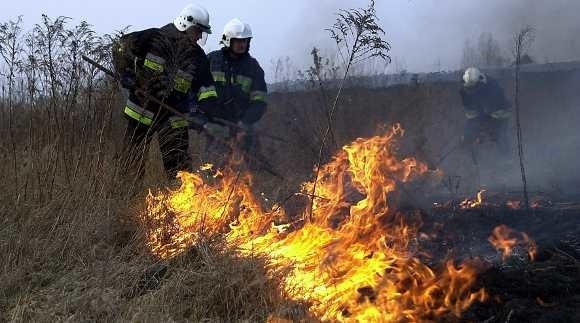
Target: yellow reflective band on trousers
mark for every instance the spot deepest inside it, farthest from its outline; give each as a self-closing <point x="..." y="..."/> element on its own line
<point x="470" y="114"/>
<point x="258" y="96"/>
<point x="154" y="63"/>
<point x="136" y="112"/>
<point x="219" y="77"/>
<point x="501" y="114"/>
<point x="245" y="82"/>
<point x="182" y="81"/>
<point x="206" y="93"/>
<point x="178" y="122"/>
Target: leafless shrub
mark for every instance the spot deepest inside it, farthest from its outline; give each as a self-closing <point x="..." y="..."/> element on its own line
<point x="358" y="38"/>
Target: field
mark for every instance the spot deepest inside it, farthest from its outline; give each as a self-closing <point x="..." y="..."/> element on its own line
<point x="81" y="242"/>
<point x="73" y="249"/>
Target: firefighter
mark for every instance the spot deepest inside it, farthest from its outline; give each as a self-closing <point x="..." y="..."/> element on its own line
<point x="169" y="65"/>
<point x="486" y="108"/>
<point x="240" y="85"/>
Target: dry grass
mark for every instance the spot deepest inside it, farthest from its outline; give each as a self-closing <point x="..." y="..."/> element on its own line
<point x="72" y="250"/>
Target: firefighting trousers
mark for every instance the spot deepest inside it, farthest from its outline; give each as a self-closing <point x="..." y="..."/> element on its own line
<point x="173" y="144"/>
<point x="486" y="128"/>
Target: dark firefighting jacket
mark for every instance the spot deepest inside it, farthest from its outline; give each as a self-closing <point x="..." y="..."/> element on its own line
<point x="485" y="99"/>
<point x="240" y="86"/>
<point x="161" y="58"/>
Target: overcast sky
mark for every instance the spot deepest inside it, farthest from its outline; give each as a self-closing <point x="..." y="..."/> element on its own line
<point x="425" y="34"/>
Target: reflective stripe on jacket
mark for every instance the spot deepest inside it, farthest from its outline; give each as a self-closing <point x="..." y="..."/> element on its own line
<point x="485" y="99"/>
<point x="136" y="112"/>
<point x="240" y="86"/>
<point x="164" y="54"/>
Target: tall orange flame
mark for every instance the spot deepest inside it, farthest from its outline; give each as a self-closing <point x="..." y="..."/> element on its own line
<point x="352" y="259"/>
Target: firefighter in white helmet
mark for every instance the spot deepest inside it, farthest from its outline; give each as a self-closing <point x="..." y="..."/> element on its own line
<point x="168" y="64"/>
<point x="240" y="84"/>
<point x="487" y="109"/>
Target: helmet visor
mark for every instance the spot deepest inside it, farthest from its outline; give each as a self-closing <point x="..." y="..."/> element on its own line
<point x="203" y="40"/>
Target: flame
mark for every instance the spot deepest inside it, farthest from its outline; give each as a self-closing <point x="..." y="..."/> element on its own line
<point x="477" y="202"/>
<point x="506" y="239"/>
<point x="207" y="166"/>
<point x="352" y="257"/>
<point x="535" y="203"/>
<point x="514" y="204"/>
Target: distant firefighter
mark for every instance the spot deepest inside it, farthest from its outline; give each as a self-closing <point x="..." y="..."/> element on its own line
<point x="486" y="108"/>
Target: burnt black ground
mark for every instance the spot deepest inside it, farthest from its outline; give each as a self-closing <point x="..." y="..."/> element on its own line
<point x="544" y="290"/>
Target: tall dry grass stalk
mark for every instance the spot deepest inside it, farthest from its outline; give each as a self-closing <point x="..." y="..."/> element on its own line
<point x="522" y="42"/>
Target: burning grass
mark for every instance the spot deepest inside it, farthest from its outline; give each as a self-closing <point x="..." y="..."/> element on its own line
<point x="75" y="254"/>
<point x="352" y="258"/>
<point x="505" y="239"/>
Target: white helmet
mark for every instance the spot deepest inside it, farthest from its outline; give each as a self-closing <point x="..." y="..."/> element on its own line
<point x="193" y="15"/>
<point x="473" y="76"/>
<point x="235" y="29"/>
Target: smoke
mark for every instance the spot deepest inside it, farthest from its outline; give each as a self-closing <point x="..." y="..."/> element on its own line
<point x="429" y="35"/>
<point x="555" y="22"/>
<point x="309" y="31"/>
<point x="425" y="31"/>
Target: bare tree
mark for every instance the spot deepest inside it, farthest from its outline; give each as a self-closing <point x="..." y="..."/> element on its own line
<point x="487" y="53"/>
<point x="469" y="57"/>
<point x="523" y="40"/>
<point x="283" y="71"/>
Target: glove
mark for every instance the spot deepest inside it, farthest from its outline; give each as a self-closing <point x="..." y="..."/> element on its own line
<point x="128" y="81"/>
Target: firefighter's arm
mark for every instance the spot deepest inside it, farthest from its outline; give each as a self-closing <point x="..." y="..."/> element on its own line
<point x="503" y="106"/>
<point x="258" y="95"/>
<point x="127" y="51"/>
<point x="206" y="95"/>
<point x="469" y="106"/>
